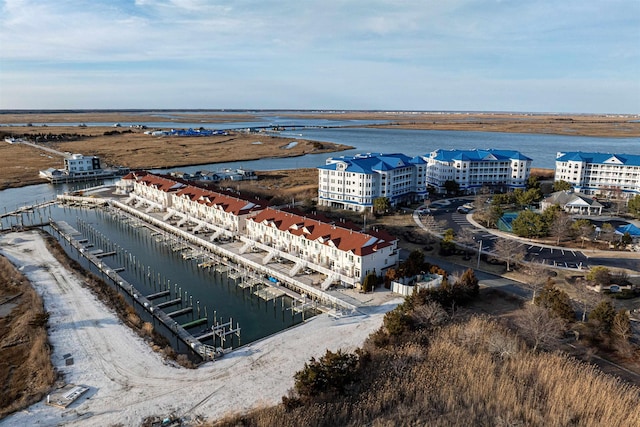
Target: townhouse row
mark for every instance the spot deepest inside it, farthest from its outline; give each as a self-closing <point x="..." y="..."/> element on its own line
<point x="340" y="250"/>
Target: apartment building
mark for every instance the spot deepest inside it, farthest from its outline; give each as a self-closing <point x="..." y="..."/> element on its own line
<point x="600" y="174"/>
<point x="354" y="182"/>
<point x="502" y="170"/>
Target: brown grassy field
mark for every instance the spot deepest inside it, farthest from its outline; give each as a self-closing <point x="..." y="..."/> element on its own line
<point x="587" y="125"/>
<point x="26" y="372"/>
<point x="19" y="165"/>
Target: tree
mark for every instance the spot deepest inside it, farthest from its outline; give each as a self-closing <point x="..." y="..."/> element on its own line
<point x="451" y="186"/>
<point x="489" y="216"/>
<point x="602" y="316"/>
<point x="389" y="277"/>
<point x="397" y="321"/>
<point x="561" y="185"/>
<point x="560" y="227"/>
<point x="583" y="228"/>
<point x="528" y="224"/>
<point x="369" y="282"/>
<point x="468" y="284"/>
<point x="414" y="263"/>
<point x="533" y="182"/>
<point x="634" y="206"/>
<point x="381" y="205"/>
<point x="539" y="326"/>
<point x="584" y="298"/>
<point x="509" y="250"/>
<point x="447" y="247"/>
<point x="621" y="331"/>
<point x="537" y="275"/>
<point x="466" y="238"/>
<point x="555" y="300"/>
<point x="525" y="198"/>
<point x="599" y="275"/>
<point x="428" y="315"/>
<point x="607" y="232"/>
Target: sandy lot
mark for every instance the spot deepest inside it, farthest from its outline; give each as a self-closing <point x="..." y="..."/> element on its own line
<point x="128" y="381"/>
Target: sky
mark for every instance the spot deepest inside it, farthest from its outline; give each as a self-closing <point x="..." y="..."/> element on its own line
<point x="572" y="56"/>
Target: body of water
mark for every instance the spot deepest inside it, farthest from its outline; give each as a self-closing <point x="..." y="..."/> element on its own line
<point x="540" y="148"/>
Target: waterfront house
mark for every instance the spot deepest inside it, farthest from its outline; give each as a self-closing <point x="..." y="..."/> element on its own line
<point x="78" y="167"/>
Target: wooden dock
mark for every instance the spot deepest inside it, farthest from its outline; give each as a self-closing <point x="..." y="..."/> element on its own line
<point x="169" y="303"/>
<point x="67" y="232"/>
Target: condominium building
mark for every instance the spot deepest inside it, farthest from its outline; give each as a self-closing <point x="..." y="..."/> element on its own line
<point x="502" y="170"/>
<point x="601" y="174"/>
<point x="354" y="182"/>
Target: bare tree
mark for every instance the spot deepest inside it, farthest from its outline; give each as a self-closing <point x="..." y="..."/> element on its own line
<point x="584" y="299"/>
<point x="509" y="250"/>
<point x="539" y="327"/>
<point x="466" y="238"/>
<point x="429" y="315"/>
<point x="607" y="233"/>
<point x="537" y="274"/>
<point x="561" y="227"/>
<point x="584" y="229"/>
<point x="621" y="332"/>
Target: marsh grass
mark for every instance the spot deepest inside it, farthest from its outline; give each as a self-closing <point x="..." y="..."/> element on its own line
<point x="461" y="378"/>
<point x="26" y="372"/>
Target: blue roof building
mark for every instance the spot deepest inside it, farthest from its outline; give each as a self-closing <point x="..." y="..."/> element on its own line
<point x="354" y="182"/>
<point x="472" y="170"/>
<point x="600" y="174"/>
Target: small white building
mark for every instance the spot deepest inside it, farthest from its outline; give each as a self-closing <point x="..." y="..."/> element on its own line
<point x="573" y="203"/>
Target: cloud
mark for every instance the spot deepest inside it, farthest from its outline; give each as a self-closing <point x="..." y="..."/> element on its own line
<point x="306" y="45"/>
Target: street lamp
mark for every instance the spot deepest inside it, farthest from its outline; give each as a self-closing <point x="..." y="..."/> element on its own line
<point x="479" y="252"/>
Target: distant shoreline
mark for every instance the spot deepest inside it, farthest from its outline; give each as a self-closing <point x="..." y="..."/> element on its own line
<point x="597" y="125"/>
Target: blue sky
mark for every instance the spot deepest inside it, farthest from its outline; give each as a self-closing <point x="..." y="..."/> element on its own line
<point x="578" y="56"/>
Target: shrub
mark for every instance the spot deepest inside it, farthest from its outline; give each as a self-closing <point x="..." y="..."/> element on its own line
<point x="330" y="374"/>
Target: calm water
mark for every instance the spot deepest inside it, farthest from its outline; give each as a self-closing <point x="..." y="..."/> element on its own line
<point x="541" y="148"/>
